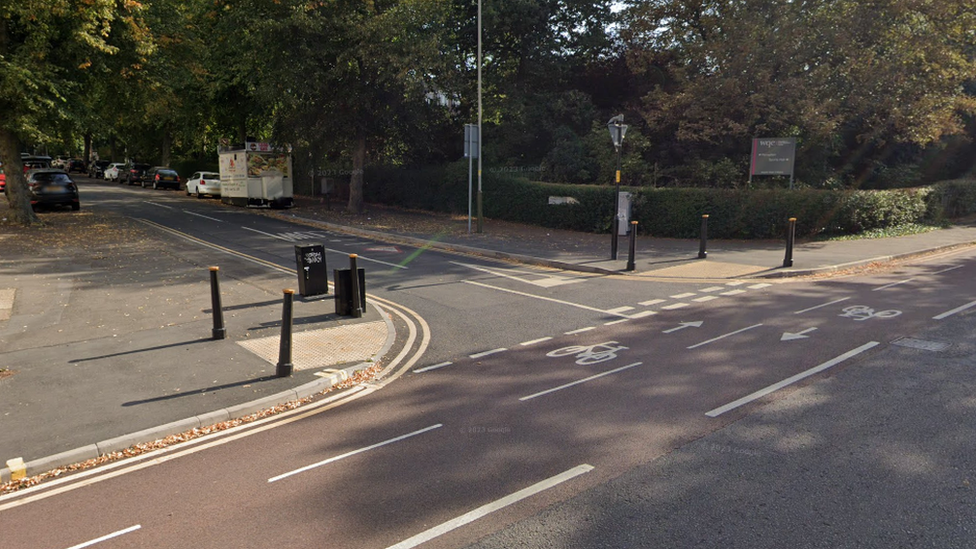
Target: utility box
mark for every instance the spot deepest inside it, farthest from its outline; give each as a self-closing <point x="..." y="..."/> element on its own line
<point x="343" y="291"/>
<point x="624" y="207"/>
<point x="313" y="276"/>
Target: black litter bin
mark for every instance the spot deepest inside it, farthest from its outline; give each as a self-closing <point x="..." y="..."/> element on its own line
<point x="313" y="276"/>
<point x="343" y="291"/>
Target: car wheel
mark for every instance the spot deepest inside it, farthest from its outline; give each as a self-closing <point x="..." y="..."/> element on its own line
<point x="75" y="206"/>
<point x="199" y="194"/>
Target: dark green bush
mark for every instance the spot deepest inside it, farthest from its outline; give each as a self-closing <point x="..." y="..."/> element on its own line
<point x="673" y="212"/>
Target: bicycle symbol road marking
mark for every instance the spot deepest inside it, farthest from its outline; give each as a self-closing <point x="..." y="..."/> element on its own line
<point x="590" y="354"/>
<point x="863" y="312"/>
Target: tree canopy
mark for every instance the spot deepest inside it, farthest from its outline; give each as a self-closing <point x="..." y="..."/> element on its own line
<point x="877" y="92"/>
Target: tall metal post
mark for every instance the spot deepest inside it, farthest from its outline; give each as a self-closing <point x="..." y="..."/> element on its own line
<point x="480" y="208"/>
<point x="615" y="225"/>
<point x="219" y="332"/>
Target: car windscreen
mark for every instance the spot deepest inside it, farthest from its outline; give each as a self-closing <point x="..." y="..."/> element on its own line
<point x="209" y="175"/>
<point x="56" y="178"/>
<point x="168" y="172"/>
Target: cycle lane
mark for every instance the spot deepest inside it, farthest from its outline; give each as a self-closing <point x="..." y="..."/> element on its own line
<point x="493" y="443"/>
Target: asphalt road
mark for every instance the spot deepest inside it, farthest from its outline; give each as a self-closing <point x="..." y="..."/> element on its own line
<point x="556" y="417"/>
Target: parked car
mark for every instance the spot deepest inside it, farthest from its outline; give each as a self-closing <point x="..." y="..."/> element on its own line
<point x="161" y="176"/>
<point x="112" y="171"/>
<point x="76" y="165"/>
<point x="202" y="183"/>
<point x="60" y="162"/>
<point x="97" y="169"/>
<point x="51" y="186"/>
<point x="32" y="162"/>
<point x="135" y="173"/>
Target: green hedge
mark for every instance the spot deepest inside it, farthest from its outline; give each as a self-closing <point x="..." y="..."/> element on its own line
<point x="673" y="212"/>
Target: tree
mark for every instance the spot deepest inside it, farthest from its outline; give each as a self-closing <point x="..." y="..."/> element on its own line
<point x="46" y="47"/>
<point x="857" y="81"/>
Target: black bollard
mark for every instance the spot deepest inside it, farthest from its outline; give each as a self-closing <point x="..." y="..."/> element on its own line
<point x="702" y="254"/>
<point x="357" y="303"/>
<point x="790" y="235"/>
<point x="633" y="246"/>
<point x="614" y="228"/>
<point x="285" y="367"/>
<point x="219" y="332"/>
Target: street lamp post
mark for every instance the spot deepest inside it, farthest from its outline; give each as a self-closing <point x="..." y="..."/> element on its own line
<point x="480" y="208"/>
<point x="617" y="131"/>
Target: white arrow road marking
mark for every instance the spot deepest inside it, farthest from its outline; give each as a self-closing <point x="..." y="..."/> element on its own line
<point x="548" y="281"/>
<point x="787" y="336"/>
<point x="695" y="324"/>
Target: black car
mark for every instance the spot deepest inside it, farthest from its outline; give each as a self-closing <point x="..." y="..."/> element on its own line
<point x="97" y="169"/>
<point x="133" y="173"/>
<point x="76" y="165"/>
<point x="49" y="186"/>
<point x="160" y="177"/>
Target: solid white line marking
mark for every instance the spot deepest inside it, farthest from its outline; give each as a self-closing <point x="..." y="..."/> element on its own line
<point x="734" y="292"/>
<point x="683" y="296"/>
<point x="486" y="353"/>
<point x="547" y="281"/>
<point x="612" y="322"/>
<point x="949" y="269"/>
<point x="704" y="299"/>
<point x="683" y="325"/>
<point x="714" y="339"/>
<point x="621" y="309"/>
<point x="712" y="289"/>
<point x="954" y="311"/>
<point x="581" y="330"/>
<point x="543" y="298"/>
<point x="484" y="510"/>
<point x="534" y="341"/>
<point x="574" y="383"/>
<point x="674" y="306"/>
<point x="160" y="205"/>
<point x="821" y="305"/>
<point x="643" y="314"/>
<point x="106" y="538"/>
<point x="652" y="302"/>
<point x="790" y="380"/>
<point x="434" y="367"/>
<point x="354" y="452"/>
<point x="879" y="288"/>
<point x="203" y="216"/>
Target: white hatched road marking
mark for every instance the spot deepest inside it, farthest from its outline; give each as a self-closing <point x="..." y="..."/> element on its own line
<point x="543" y="298"/>
<point x="674" y="306"/>
<point x="652" y="302"/>
<point x="712" y="289"/>
<point x="705" y="298"/>
<point x="683" y="296"/>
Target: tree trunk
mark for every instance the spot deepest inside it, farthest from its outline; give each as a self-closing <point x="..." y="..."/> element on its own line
<point x="358" y="178"/>
<point x="88" y="151"/>
<point x="167" y="147"/>
<point x="20" y="208"/>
